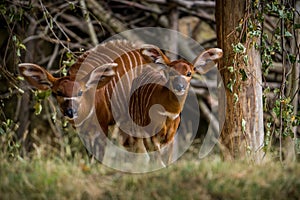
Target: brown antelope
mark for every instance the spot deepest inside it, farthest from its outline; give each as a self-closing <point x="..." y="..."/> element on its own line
<point x="167" y="86"/>
<point x="82" y="102"/>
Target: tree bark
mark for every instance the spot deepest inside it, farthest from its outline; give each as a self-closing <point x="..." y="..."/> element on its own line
<point x="243" y="132"/>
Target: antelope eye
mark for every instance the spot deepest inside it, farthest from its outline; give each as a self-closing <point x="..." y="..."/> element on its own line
<point x="58" y="93"/>
<point x="189" y="74"/>
<point x="80" y="93"/>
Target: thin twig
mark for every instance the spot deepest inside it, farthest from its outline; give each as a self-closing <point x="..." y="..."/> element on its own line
<point x="108" y="18"/>
<point x="47" y="14"/>
<point x="193" y="4"/>
<point x="139" y="6"/>
<point x="173" y="21"/>
<point x="53" y="56"/>
<point x="71" y="33"/>
<point x="89" y="23"/>
<point x="210" y="118"/>
<point x="105" y="16"/>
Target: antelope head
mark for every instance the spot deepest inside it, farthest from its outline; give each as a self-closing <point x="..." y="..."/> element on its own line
<point x="71" y="94"/>
<point x="179" y="72"/>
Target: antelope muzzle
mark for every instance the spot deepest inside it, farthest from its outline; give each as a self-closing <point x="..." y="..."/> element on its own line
<point x="179" y="85"/>
<point x="69" y="108"/>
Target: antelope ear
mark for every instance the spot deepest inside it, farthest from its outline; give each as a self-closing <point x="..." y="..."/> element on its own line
<point x="100" y="75"/>
<point x="153" y="54"/>
<point x="36" y="76"/>
<point x="207" y="59"/>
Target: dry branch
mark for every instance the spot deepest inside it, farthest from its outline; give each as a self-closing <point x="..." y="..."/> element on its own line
<point x="89" y="23"/>
<point x="193" y="4"/>
<point x="107" y="17"/>
<point x="139" y="6"/>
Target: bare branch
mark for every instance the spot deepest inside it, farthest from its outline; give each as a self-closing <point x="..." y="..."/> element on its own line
<point x="89" y="23"/>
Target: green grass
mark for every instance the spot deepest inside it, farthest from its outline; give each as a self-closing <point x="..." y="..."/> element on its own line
<point x="48" y="177"/>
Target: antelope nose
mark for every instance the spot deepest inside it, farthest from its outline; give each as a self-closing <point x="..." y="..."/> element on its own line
<point x="70" y="112"/>
<point x="179" y="84"/>
<point x="179" y="87"/>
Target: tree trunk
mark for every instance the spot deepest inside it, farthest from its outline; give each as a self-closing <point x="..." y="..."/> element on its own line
<point x="243" y="130"/>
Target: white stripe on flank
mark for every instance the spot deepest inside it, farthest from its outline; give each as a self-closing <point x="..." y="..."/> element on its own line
<point x="169" y="114"/>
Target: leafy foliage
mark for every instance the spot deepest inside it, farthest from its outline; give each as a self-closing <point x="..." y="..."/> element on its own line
<point x="276" y="46"/>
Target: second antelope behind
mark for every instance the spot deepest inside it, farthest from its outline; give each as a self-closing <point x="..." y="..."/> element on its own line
<point x="94" y="94"/>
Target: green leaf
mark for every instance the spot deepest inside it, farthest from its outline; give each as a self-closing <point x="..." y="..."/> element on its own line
<point x="267" y="90"/>
<point x="64" y="71"/>
<point x="69" y="63"/>
<point x="296" y="26"/>
<point x="69" y="55"/>
<point x="236" y="97"/>
<point x="53" y="117"/>
<point x="292" y="58"/>
<point x="244" y="125"/>
<point x="72" y="5"/>
<point x="2" y="131"/>
<point x="276" y="109"/>
<point x="276" y="91"/>
<point x="244" y="74"/>
<point x="8" y="122"/>
<point x="239" y="48"/>
<point x="246" y="59"/>
<point x="3" y="9"/>
<point x="281" y="14"/>
<point x="65" y="123"/>
<point x="287" y="34"/>
<point x="230" y="69"/>
<point x="38" y="108"/>
<point x="22" y="46"/>
<point x="21" y="78"/>
<point x="41" y="95"/>
<point x="18" y="52"/>
<point x="230" y="85"/>
<point x="290" y="15"/>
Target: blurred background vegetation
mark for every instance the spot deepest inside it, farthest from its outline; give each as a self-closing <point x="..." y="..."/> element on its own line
<point x="41" y="155"/>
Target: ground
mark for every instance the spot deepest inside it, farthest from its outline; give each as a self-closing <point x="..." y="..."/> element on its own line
<point x="46" y="177"/>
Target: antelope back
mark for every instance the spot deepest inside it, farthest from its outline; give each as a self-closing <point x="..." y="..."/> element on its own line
<point x="130" y="59"/>
<point x="127" y="55"/>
